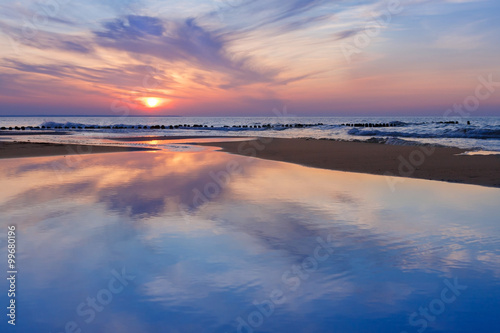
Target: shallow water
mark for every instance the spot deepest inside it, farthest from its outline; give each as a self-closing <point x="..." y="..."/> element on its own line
<point x="211" y="242"/>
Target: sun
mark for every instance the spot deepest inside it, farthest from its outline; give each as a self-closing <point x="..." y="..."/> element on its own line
<point x="152" y="102"/>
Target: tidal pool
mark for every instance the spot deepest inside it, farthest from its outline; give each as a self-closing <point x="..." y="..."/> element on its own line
<point x="204" y="241"/>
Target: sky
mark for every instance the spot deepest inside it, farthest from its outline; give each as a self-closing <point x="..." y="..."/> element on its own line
<point x="246" y="58"/>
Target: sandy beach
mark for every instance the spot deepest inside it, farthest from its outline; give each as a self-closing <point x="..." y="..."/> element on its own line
<point x="425" y="162"/>
<point x="32" y="149"/>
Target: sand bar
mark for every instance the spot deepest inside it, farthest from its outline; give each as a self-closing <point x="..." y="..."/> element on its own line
<point x="425" y="162"/>
<point x="32" y="149"/>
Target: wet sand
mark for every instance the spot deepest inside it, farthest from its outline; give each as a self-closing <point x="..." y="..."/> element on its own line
<point x="424" y="162"/>
<point x="31" y="149"/>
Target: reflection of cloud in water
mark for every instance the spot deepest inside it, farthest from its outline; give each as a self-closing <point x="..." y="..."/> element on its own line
<point x="124" y="209"/>
<point x="137" y="186"/>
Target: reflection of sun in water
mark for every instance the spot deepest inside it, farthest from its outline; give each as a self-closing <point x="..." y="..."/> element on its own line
<point x="152" y="102"/>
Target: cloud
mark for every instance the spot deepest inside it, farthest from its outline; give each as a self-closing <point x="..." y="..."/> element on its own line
<point x="44" y="40"/>
<point x="132" y="27"/>
<point x="178" y="43"/>
<point x="183" y="41"/>
<point x="295" y="8"/>
<point x="346" y="34"/>
<point x="283" y="16"/>
<point x="9" y="84"/>
<point x="130" y="75"/>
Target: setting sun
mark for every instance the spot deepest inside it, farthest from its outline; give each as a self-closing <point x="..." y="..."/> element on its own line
<point x="152" y="102"/>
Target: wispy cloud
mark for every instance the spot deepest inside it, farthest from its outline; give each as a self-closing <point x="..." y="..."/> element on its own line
<point x="182" y="41"/>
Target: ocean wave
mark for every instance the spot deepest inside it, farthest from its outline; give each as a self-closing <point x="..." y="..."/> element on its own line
<point x="398" y="142"/>
<point x="461" y="133"/>
<point x="52" y="124"/>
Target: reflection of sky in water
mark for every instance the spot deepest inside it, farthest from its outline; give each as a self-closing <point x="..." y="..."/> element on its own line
<point x="202" y="254"/>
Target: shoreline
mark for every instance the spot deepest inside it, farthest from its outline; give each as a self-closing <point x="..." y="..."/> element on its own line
<point x="421" y="162"/>
<point x="35" y="149"/>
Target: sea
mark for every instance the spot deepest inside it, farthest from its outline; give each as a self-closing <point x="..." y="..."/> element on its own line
<point x="474" y="134"/>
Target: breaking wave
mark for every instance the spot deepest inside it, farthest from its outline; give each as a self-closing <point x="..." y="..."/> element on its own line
<point x="469" y="133"/>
